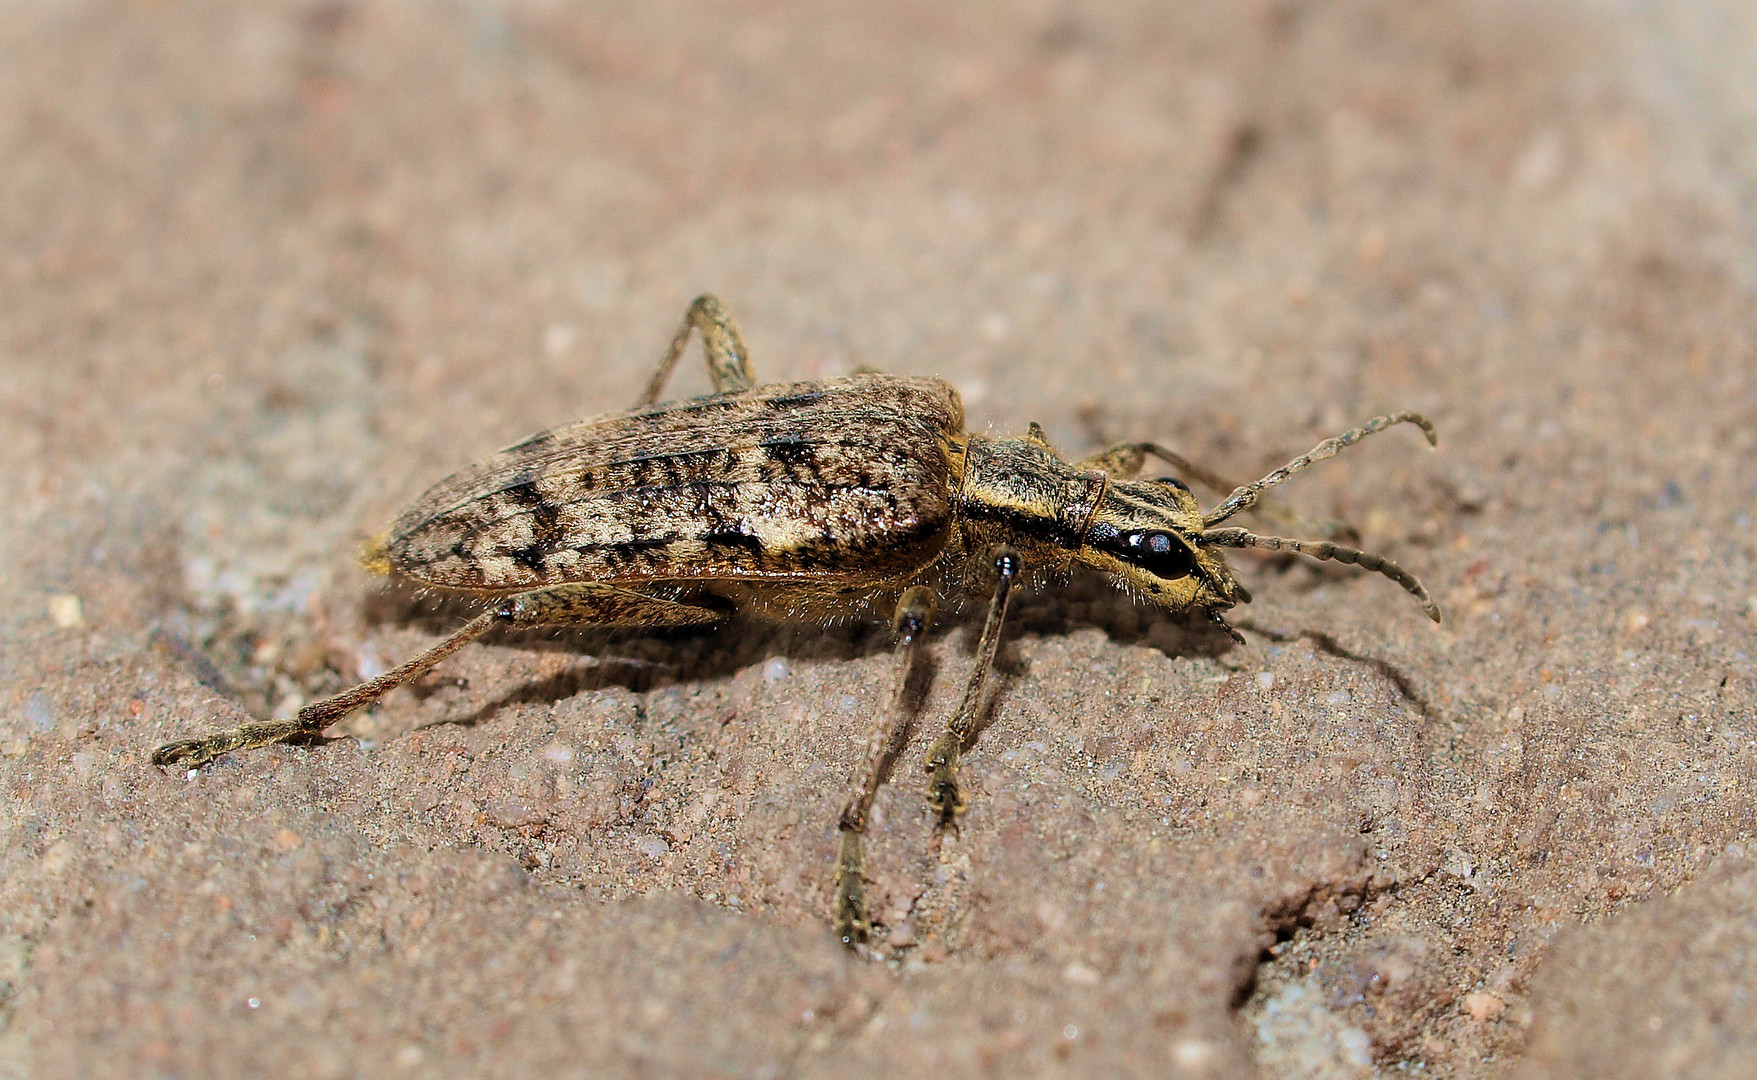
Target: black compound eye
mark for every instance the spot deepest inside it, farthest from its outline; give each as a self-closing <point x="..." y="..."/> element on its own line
<point x="1172" y="481"/>
<point x="1159" y="553"/>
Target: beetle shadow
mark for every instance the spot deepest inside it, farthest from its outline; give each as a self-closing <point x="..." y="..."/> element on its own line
<point x="642" y="660"/>
<point x="1087" y="599"/>
<point x="635" y="659"/>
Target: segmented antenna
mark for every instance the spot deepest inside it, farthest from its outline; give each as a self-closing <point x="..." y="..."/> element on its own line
<point x="1245" y="497"/>
<point x="1324" y="549"/>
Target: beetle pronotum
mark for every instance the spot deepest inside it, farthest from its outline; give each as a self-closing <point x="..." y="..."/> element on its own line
<point x="806" y="502"/>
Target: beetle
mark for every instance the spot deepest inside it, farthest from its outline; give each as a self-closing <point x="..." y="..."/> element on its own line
<point x="811" y="502"/>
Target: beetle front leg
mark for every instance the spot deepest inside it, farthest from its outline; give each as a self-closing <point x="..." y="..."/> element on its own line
<point x="943" y="791"/>
<point x="914" y="612"/>
<point x="1126" y="460"/>
<point x="722" y="347"/>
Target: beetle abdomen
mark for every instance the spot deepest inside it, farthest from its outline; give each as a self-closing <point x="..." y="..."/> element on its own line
<point x="848" y="477"/>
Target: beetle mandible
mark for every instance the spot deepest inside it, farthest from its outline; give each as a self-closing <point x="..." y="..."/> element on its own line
<point x="806" y="502"/>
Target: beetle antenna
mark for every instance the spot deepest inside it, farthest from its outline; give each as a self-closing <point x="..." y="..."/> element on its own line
<point x="1245" y="497"/>
<point x="1324" y="549"/>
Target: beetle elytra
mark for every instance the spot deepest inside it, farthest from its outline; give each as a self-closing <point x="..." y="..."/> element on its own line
<point x="812" y="502"/>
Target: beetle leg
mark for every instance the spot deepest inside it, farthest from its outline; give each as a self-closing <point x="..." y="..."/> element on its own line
<point x="722" y="346"/>
<point x="318" y="715"/>
<point x="943" y="792"/>
<point x="891" y="729"/>
<point x="1126" y="460"/>
<point x="567" y="605"/>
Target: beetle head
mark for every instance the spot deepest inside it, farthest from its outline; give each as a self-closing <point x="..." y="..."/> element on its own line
<point x="1147" y="535"/>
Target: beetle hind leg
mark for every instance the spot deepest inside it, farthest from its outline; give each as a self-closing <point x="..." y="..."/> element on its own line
<point x="313" y="718"/>
<point x="584" y="604"/>
<point x="723" y="348"/>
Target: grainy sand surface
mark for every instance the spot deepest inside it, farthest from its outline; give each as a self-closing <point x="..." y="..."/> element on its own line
<point x="269" y="270"/>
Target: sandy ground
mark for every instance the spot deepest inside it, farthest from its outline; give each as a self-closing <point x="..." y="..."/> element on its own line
<point x="270" y="270"/>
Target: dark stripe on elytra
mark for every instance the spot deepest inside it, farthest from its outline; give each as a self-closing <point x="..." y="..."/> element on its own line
<point x="532" y="556"/>
<point x="734" y="539"/>
<point x="794" y="401"/>
<point x="546" y="524"/>
<point x="793" y="451"/>
<point x="545" y="515"/>
<point x="628" y="554"/>
<point x="527" y="500"/>
<point x="666" y="457"/>
<point x="523" y="490"/>
<point x="631" y="549"/>
<point x="662" y="470"/>
<point x="525" y="497"/>
<point x="709" y="404"/>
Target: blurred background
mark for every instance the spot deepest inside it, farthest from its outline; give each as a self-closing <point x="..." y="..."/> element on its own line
<point x="270" y="269"/>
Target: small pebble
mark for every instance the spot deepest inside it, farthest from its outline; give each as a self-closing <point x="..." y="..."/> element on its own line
<point x="1483" y="1007"/>
<point x="369" y="662"/>
<point x="1192" y="1055"/>
<point x="38" y="714"/>
<point x="65" y="610"/>
<point x="1080" y="974"/>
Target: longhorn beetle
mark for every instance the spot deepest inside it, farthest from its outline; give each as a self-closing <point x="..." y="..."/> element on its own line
<point x="806" y="502"/>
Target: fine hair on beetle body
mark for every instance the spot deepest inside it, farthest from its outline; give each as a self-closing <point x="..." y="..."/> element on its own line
<point x="812" y="502"/>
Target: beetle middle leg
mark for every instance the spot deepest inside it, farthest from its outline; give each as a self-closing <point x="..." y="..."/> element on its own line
<point x="585" y="604"/>
<point x="914" y="611"/>
<point x="943" y="792"/>
<point x="723" y="348"/>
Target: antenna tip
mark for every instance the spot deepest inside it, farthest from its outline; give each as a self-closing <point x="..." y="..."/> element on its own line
<point x="1426" y="425"/>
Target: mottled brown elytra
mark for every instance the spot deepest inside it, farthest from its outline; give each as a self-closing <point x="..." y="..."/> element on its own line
<point x="816" y="502"/>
